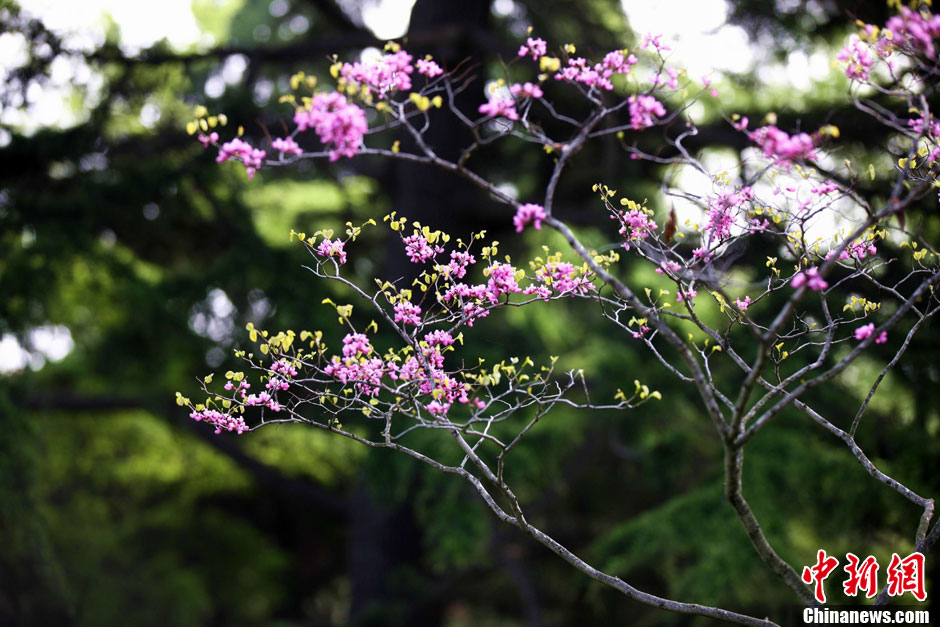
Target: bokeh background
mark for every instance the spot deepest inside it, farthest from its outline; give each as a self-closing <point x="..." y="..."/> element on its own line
<point x="130" y="263"/>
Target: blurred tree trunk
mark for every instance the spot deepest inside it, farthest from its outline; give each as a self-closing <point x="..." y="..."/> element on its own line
<point x="437" y="199"/>
<point x="383" y="539"/>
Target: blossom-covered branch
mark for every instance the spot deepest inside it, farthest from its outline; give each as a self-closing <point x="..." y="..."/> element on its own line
<point x="806" y="313"/>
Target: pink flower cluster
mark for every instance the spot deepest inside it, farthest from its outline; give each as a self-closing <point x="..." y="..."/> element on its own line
<point x="429" y="68"/>
<point x="336" y="122"/>
<point x="283" y="367"/>
<point x="530" y="90"/>
<point x="407" y="313"/>
<point x="419" y="250"/>
<point x="529" y="214"/>
<point x="916" y="29"/>
<point x="221" y="422"/>
<point x="242" y="151"/>
<point x="562" y="277"/>
<point x="721" y="212"/>
<point x="472" y="300"/>
<point x="642" y="110"/>
<point x="502" y="281"/>
<point x="206" y="140"/>
<point x="499" y="105"/>
<point x="635" y="225"/>
<point x="389" y="73"/>
<point x="457" y="268"/>
<point x="332" y="248"/>
<point x="810" y="278"/>
<point x="925" y="125"/>
<point x="859" y="250"/>
<point x="286" y="146"/>
<point x="359" y="366"/>
<point x="579" y="70"/>
<point x="782" y="147"/>
<point x="671" y="82"/>
<point x="281" y="371"/>
<point x="826" y="187"/>
<point x="867" y="330"/>
<point x="656" y="41"/>
<point x="533" y="47"/>
<point x="366" y="374"/>
<point x="743" y="305"/>
<point x="262" y="398"/>
<point x="858" y="59"/>
<point x="355" y="365"/>
<point x="685" y="294"/>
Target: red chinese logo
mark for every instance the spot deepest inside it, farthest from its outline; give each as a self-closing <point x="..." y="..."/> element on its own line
<point x="903" y="574"/>
<point x="861" y="575"/>
<point x="818" y="573"/>
<point x="907" y="575"/>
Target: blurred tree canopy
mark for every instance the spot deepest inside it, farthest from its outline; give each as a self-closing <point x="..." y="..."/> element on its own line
<point x="117" y="509"/>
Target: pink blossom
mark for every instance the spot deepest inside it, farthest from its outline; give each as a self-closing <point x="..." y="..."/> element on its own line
<point x="419" y="249"/>
<point x="656" y="41"/>
<point x="701" y="254"/>
<point x="597" y="75"/>
<point x="459" y="260"/>
<point x="810" y="278"/>
<point x="540" y="291"/>
<point x="221" y="422"/>
<point x="407" y="313"/>
<point x="671" y="82"/>
<point x="530" y="90"/>
<point x="782" y="147"/>
<point x="619" y="61"/>
<point x="534" y="47"/>
<point x="502" y="281"/>
<point x="882" y="338"/>
<point x="635" y="225"/>
<point x="562" y="277"/>
<point x="442" y="338"/>
<point x="857" y="58"/>
<point x="925" y="125"/>
<point x="740" y="125"/>
<point x="355" y="344"/>
<point x="915" y="29"/>
<point x="332" y="248"/>
<point x="284" y="367"/>
<point x="529" y="214"/>
<point x="250" y="157"/>
<point x="857" y="249"/>
<point x="429" y="68"/>
<point x="721" y="216"/>
<point x="499" y="106"/>
<point x="864" y="331"/>
<point x="826" y="187"/>
<point x="743" y="304"/>
<point x="205" y="140"/>
<point x="336" y="122"/>
<point x="389" y="73"/>
<point x="668" y="267"/>
<point x="276" y="383"/>
<point x="365" y="373"/>
<point x="253" y="400"/>
<point x="287" y="145"/>
<point x="642" y="110"/>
